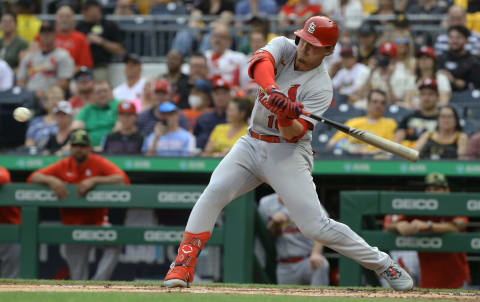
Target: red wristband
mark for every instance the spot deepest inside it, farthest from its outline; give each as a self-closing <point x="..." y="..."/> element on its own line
<point x="284" y="122"/>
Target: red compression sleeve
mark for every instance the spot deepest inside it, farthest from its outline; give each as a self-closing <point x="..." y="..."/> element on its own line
<point x="262" y="69"/>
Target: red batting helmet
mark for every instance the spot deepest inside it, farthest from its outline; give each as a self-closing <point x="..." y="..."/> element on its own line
<point x="319" y="31"/>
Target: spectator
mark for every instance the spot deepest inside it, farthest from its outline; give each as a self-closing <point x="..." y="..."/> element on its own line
<point x="46" y="66"/>
<point x="424" y="119"/>
<point x="406" y="49"/>
<point x="256" y="7"/>
<point x="390" y="75"/>
<point x="300" y="260"/>
<point x="70" y="39"/>
<point x="132" y="89"/>
<point x="297" y="13"/>
<point x="473" y="13"/>
<point x="125" y="8"/>
<point x="350" y="79"/>
<point x="215" y="7"/>
<point x="426" y="68"/>
<point x="224" y="136"/>
<point x="9" y="252"/>
<point x="41" y="127"/>
<point x="188" y="40"/>
<point x="453" y="271"/>
<point x="6" y="76"/>
<point x="28" y="24"/>
<point x="149" y="118"/>
<point x="447" y="141"/>
<point x="457" y="63"/>
<point x="83" y="92"/>
<point x="385" y="15"/>
<point x="367" y="41"/>
<point x="373" y="122"/>
<point x="207" y="121"/>
<point x="200" y="100"/>
<point x="127" y="140"/>
<point x="349" y="11"/>
<point x="168" y="139"/>
<point x="177" y="79"/>
<point x="457" y="17"/>
<point x="148" y="94"/>
<point x="427" y="7"/>
<point x="198" y="70"/>
<point x="58" y="142"/>
<point x="473" y="148"/>
<point x="11" y="45"/>
<point x="86" y="170"/>
<point x="104" y="36"/>
<point x="99" y="117"/>
<point x="224" y="62"/>
<point x="257" y="38"/>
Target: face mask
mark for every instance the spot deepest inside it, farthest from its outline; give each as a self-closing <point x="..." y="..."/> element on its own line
<point x="194" y="101"/>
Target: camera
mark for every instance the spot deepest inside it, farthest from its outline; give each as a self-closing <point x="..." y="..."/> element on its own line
<point x="383" y="60"/>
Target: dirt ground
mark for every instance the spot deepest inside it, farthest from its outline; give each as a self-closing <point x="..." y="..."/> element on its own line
<point x="341" y="292"/>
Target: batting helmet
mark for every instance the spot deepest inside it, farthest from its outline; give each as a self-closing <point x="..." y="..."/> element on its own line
<point x="319" y="31"/>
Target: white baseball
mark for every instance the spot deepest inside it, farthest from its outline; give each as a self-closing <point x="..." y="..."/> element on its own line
<point x="22" y="114"/>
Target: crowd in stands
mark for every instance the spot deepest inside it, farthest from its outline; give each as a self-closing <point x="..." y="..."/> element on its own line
<point x="416" y="88"/>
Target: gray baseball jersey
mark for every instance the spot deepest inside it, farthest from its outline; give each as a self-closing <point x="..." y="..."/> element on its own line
<point x="312" y="88"/>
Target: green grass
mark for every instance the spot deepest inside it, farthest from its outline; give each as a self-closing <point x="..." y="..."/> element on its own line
<point x="171" y="297"/>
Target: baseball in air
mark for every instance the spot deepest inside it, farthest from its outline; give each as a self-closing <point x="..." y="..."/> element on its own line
<point x="22" y="114"/>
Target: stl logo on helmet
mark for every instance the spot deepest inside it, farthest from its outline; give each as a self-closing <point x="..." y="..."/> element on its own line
<point x="311" y="28"/>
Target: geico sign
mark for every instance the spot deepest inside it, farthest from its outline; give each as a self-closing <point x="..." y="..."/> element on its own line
<point x="473" y="205"/>
<point x="158" y="236"/>
<point x="423" y="242"/>
<point x="94" y="235"/>
<point x="109" y="196"/>
<point x="475" y="243"/>
<point x="414" y="204"/>
<point x="35" y="195"/>
<point x="178" y="196"/>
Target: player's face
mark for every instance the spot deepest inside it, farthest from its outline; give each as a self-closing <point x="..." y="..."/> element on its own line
<point x="80" y="152"/>
<point x="309" y="56"/>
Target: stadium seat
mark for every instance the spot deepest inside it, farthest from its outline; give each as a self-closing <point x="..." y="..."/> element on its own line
<point x="470" y="126"/>
<point x="396" y="112"/>
<point x="342" y="112"/>
<point x="320" y="136"/>
<point x="466" y="96"/>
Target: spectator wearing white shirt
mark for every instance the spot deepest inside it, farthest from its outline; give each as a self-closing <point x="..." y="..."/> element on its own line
<point x="349" y="11"/>
<point x="353" y="75"/>
<point x="6" y="76"/>
<point x="132" y="89"/>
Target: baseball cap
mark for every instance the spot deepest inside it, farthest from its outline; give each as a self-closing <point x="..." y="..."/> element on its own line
<point x="426" y="51"/>
<point x="366" y="29"/>
<point x="132" y="57"/>
<point x="389" y="49"/>
<point x="203" y="85"/>
<point x="47" y="26"/>
<point x="428" y="83"/>
<point x="436" y="179"/>
<point x="220" y="83"/>
<point x="348" y="51"/>
<point x="83" y="74"/>
<point x="79" y="137"/>
<point x="63" y="106"/>
<point x="161" y="84"/>
<point x="167" y="107"/>
<point x="127" y="107"/>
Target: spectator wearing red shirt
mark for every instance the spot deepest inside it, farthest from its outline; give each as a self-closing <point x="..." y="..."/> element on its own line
<point x="298" y="12"/>
<point x="437" y="270"/>
<point x="9" y="253"/>
<point x="86" y="170"/>
<point x="72" y="40"/>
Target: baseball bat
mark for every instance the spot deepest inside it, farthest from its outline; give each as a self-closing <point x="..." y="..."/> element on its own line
<point x="369" y="138"/>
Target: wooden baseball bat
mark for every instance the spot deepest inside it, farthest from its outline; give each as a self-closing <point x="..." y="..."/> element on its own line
<point x="369" y="138"/>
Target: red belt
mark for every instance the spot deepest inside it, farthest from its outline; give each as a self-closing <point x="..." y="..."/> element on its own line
<point x="292" y="259"/>
<point x="265" y="138"/>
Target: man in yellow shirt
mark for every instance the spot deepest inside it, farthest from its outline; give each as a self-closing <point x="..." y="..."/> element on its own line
<point x="473" y="13"/>
<point x="373" y="122"/>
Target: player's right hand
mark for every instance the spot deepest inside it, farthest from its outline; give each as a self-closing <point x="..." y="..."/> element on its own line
<point x="277" y="101"/>
<point x="292" y="111"/>
<point x="59" y="188"/>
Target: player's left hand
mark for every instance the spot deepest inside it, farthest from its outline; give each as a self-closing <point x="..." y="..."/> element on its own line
<point x="316" y="261"/>
<point x="85" y="186"/>
<point x="277" y="101"/>
<point x="292" y="111"/>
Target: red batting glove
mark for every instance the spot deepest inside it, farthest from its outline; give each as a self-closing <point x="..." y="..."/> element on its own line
<point x="292" y="111"/>
<point x="277" y="101"/>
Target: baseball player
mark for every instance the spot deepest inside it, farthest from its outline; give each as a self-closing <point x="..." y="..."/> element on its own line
<point x="300" y="261"/>
<point x="277" y="151"/>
